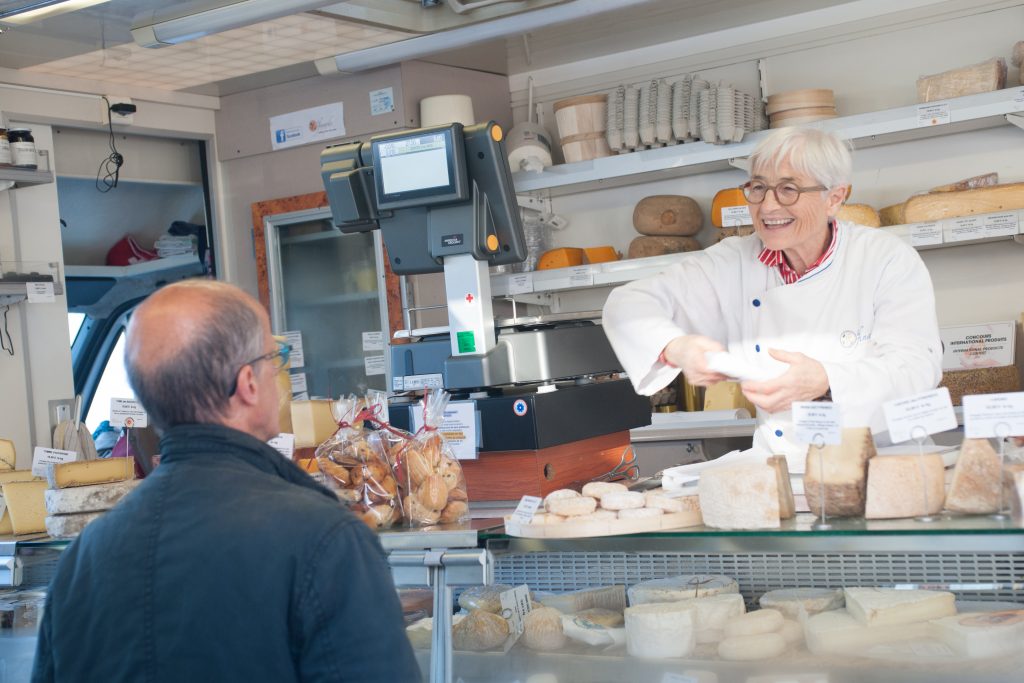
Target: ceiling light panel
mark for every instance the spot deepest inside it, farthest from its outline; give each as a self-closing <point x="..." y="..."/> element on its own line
<point x="252" y="49"/>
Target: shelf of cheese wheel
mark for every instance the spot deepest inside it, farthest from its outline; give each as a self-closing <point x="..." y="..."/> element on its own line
<point x="607" y="509"/>
<point x="77" y="493"/>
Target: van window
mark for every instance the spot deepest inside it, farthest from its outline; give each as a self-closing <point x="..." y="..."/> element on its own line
<point x="113" y="384"/>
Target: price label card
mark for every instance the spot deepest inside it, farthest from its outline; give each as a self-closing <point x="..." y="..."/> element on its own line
<point x="580" y="276"/>
<point x="127" y="412"/>
<point x="817" y="423"/>
<point x="964" y="228"/>
<point x="515" y="605"/>
<point x="933" y="114"/>
<point x="40" y="293"/>
<point x="382" y="101"/>
<point x="988" y="416"/>
<point x="373" y="365"/>
<point x="918" y="416"/>
<point x="284" y="444"/>
<point x="736" y="216"/>
<point x="1001" y="224"/>
<point x="527" y="508"/>
<point x="1018" y="99"/>
<point x="42" y="457"/>
<point x="520" y="283"/>
<point x="925" y="234"/>
<point x="301" y="396"/>
<point x="373" y="341"/>
<point x="298" y="381"/>
<point x="297" y="359"/>
<point x="460" y="427"/>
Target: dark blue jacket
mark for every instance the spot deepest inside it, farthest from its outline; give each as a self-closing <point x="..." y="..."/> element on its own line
<point x="227" y="564"/>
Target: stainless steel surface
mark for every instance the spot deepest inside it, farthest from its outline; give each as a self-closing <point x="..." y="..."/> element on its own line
<point x="441" y="536"/>
<point x="712" y="429"/>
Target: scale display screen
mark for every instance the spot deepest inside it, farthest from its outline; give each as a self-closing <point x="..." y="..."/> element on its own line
<point x="419" y="169"/>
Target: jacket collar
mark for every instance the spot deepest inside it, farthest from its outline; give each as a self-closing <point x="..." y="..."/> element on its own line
<point x="202" y="442"/>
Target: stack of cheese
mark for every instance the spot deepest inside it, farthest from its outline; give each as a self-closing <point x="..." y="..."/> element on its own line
<point x="667" y="224"/>
<point x="605" y="501"/>
<point x="79" y="492"/>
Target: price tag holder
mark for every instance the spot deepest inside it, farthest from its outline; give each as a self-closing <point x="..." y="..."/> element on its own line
<point x="581" y="276"/>
<point x="925" y="234"/>
<point x="297" y="358"/>
<point x="284" y="444"/>
<point x="989" y="416"/>
<point x="520" y="283"/>
<point x="933" y="114"/>
<point x="817" y="423"/>
<point x="915" y="417"/>
<point x="527" y="508"/>
<point x="42" y="457"/>
<point x="515" y="605"/>
<point x="127" y="412"/>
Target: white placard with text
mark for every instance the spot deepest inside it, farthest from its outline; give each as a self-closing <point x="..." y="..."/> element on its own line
<point x="988" y="416"/>
<point x="925" y="234"/>
<point x="373" y="341"/>
<point x="933" y="114"/>
<point x="374" y="365"/>
<point x="459" y="427"/>
<point x="284" y="444"/>
<point x="527" y="508"/>
<point x="297" y="358"/>
<point x="515" y="605"/>
<point x="298" y="381"/>
<point x="42" y="457"/>
<point x="127" y="412"/>
<point x="915" y="417"/>
<point x="520" y="283"/>
<point x="40" y="293"/>
<point x="817" y="423"/>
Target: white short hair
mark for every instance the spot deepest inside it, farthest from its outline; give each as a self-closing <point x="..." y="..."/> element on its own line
<point x="814" y="153"/>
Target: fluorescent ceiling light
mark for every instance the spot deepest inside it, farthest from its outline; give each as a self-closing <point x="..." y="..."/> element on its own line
<point x="465" y="36"/>
<point x="40" y="9"/>
<point x="182" y="22"/>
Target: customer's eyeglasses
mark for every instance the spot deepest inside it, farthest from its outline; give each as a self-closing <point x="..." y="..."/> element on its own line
<point x="786" y="194"/>
<point x="279" y="358"/>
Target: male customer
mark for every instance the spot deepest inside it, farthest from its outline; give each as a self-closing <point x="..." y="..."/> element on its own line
<point x="228" y="563"/>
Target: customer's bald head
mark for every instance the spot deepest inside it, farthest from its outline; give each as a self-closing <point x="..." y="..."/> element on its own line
<point x="185" y="346"/>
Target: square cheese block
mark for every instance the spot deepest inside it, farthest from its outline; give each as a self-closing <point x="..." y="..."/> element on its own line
<point x="312" y="422"/>
<point x="661" y="630"/>
<point x="739" y="497"/>
<point x="885" y="606"/>
<point x="844" y="476"/>
<point x="26" y="505"/>
<point x="981" y="634"/>
<point x="838" y="633"/>
<point x="89" y="472"/>
<point x="905" y="486"/>
<point x="727" y="396"/>
<point x="69" y="526"/>
<point x="976" y="479"/>
<point x="8" y="457"/>
<point x="95" y="498"/>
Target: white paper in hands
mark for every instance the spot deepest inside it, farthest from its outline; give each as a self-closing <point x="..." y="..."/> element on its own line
<point x="739" y="368"/>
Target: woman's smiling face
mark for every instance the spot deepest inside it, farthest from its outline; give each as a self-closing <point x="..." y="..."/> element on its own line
<point x="801" y="224"/>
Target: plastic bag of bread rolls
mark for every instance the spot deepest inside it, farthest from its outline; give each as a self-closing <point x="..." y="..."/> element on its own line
<point x="433" y="484"/>
<point x="355" y="463"/>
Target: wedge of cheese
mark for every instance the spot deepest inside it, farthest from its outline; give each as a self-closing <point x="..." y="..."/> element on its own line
<point x="6" y="528"/>
<point x="8" y="457"/>
<point x="981" y="634"/>
<point x="905" y="486"/>
<point x="26" y="506"/>
<point x="69" y="526"/>
<point x="888" y="606"/>
<point x="312" y="422"/>
<point x="841" y="472"/>
<point x="89" y="472"/>
<point x="739" y="497"/>
<point x="95" y="498"/>
<point x="976" y="479"/>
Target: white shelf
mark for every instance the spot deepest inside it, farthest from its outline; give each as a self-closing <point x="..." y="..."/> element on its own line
<point x="129" y="181"/>
<point x="974" y="112"/>
<point x="25" y="177"/>
<point x="962" y="230"/>
<point x="127" y="271"/>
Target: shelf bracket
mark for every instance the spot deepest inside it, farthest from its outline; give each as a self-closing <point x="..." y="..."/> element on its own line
<point x="534" y="202"/>
<point x="742" y="163"/>
<point x="1016" y="119"/>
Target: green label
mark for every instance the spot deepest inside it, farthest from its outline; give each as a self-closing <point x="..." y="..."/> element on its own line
<point x="466" y="342"/>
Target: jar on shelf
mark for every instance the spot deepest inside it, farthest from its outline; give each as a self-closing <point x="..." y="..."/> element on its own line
<point x="23" y="147"/>
<point x="5" y="148"/>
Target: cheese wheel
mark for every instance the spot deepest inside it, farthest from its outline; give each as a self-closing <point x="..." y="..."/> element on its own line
<point x="544" y="518"/>
<point x="754" y="623"/>
<point x="27" y="506"/>
<point x="748" y="648"/>
<point x="571" y="507"/>
<point x="896" y="214"/>
<point x="481" y="630"/>
<point x="981" y="634"/>
<point x="658" y="631"/>
<point x="646" y="245"/>
<point x="836" y="632"/>
<point x="542" y="629"/>
<point x="596" y="489"/>
<point x="658" y="499"/>
<point x="667" y="214"/>
<point x="559" y="494"/>
<point x="843" y="472"/>
<point x="487" y="598"/>
<point x="792" y="602"/>
<point x="896" y="487"/>
<point x="861" y="214"/>
<point x="680" y="588"/>
<point x="721" y="489"/>
<point x="608" y="618"/>
<point x="622" y="500"/>
<point x="564" y="257"/>
<point x="640" y="513"/>
<point x="713" y="613"/>
<point x="8" y="458"/>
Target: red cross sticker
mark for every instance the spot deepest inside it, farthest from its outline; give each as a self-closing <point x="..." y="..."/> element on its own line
<point x="469" y="298"/>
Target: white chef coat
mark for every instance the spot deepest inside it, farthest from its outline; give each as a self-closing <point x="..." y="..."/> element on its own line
<point x="867" y="314"/>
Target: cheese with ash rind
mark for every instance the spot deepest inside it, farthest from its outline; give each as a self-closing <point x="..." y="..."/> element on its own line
<point x="754" y="647"/>
<point x="677" y="588"/>
<point x="886" y="606"/>
<point x="95" y="498"/>
<point x="659" y="631"/>
<point x="905" y="486"/>
<point x="69" y="526"/>
<point x="739" y="497"/>
<point x="792" y="601"/>
<point x="713" y="613"/>
<point x="836" y="632"/>
<point x="976" y="479"/>
<point x="754" y="623"/>
<point x="981" y="634"/>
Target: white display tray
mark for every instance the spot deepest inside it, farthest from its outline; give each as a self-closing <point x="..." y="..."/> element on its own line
<point x="617" y="527"/>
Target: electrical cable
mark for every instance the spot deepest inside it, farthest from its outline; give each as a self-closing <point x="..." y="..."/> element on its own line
<point x="7" y="345"/>
<point x="110" y="167"/>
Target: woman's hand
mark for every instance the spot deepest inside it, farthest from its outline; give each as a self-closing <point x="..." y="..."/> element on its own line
<point x="805" y="380"/>
<point x="687" y="354"/>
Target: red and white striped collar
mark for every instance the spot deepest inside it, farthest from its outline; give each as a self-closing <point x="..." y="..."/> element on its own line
<point x="774" y="258"/>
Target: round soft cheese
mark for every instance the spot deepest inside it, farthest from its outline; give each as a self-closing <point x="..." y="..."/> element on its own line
<point x="640" y="513"/>
<point x="791" y="601"/>
<point x="681" y="587"/>
<point x="660" y="631"/>
<point x="754" y="623"/>
<point x="560" y="494"/>
<point x="760" y="646"/>
<point x="622" y="500"/>
<point x="596" y="489"/>
<point x="542" y="629"/>
<point x="572" y="507"/>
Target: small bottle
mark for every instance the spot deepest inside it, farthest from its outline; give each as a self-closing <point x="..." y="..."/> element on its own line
<point x="5" y="148"/>
<point x="23" y="147"/>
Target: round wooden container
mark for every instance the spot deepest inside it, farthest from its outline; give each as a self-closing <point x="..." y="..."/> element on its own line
<point x="580" y="115"/>
<point x="585" y="147"/>
<point x="800" y="99"/>
<point x="797" y="116"/>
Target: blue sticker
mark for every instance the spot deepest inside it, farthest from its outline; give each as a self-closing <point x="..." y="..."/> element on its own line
<point x="520" y="407"/>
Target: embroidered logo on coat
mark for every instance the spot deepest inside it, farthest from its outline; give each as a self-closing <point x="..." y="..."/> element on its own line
<point x="848" y="339"/>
